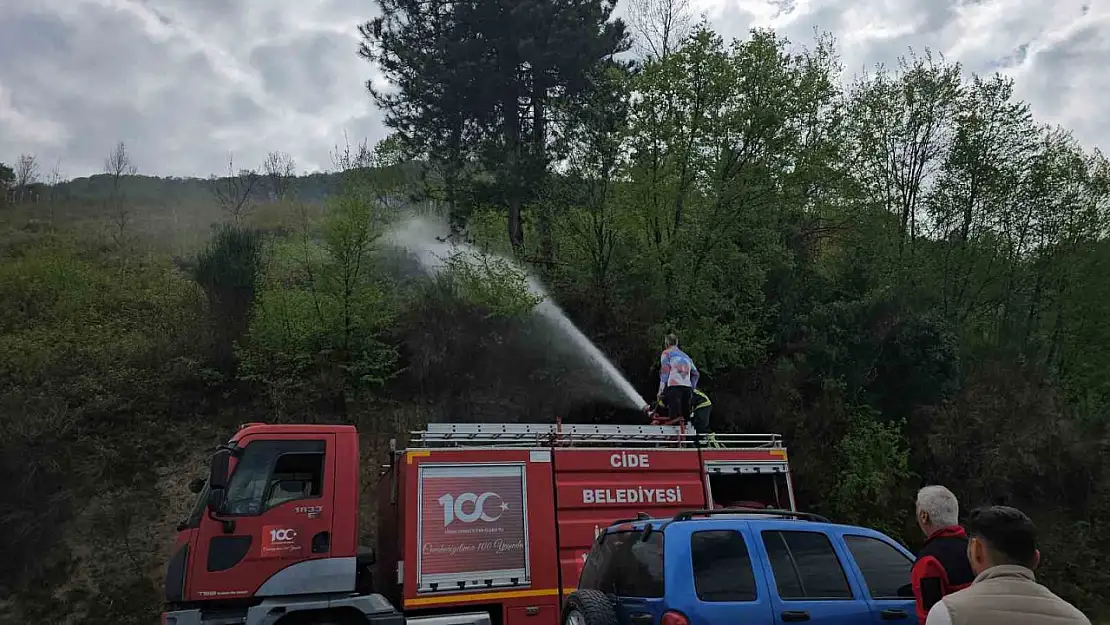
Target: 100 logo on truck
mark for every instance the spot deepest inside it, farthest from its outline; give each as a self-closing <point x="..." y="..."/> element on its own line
<point x="282" y="535"/>
<point x="279" y="541"/>
<point x="454" y="507"/>
<point x="473" y="522"/>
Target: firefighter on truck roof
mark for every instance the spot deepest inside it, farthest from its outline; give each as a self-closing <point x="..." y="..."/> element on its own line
<point x="702" y="407"/>
<point x="678" y="377"/>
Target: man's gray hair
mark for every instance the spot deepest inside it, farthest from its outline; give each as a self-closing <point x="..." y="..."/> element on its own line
<point x="940" y="504"/>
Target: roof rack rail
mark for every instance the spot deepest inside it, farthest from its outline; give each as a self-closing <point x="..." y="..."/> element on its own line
<point x="640" y="516"/>
<point x="808" y="516"/>
<point x="576" y="435"/>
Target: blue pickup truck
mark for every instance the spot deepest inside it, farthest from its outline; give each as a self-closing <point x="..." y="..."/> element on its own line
<point x="742" y="567"/>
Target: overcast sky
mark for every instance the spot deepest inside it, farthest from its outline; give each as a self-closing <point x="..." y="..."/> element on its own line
<point x="183" y="82"/>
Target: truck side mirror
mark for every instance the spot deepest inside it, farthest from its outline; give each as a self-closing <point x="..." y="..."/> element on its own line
<point x="217" y="480"/>
<point x="217" y="476"/>
<point x="196" y="485"/>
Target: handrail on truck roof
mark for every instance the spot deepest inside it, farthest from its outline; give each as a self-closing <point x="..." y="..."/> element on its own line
<point x="577" y="435"/>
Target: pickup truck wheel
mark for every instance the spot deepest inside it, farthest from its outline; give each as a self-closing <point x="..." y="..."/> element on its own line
<point x="589" y="607"/>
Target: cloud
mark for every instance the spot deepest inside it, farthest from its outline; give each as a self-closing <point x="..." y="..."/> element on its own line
<point x="26" y="126"/>
<point x="186" y="82"/>
<point x="182" y="83"/>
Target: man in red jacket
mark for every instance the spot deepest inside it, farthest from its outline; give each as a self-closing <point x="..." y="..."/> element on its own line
<point x="942" y="566"/>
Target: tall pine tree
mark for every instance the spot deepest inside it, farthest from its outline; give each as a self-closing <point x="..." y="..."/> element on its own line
<point x="478" y="81"/>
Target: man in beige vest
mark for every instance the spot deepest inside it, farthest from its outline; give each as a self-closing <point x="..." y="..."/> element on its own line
<point x="1002" y="549"/>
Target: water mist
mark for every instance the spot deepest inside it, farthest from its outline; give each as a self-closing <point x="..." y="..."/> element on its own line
<point x="426" y="242"/>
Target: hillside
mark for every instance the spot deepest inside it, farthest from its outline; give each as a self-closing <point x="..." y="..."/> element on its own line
<point x="155" y="191"/>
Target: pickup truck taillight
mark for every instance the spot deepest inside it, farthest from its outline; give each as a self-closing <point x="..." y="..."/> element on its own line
<point x="674" y="618"/>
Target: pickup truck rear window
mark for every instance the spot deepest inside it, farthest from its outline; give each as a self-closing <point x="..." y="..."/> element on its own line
<point x="722" y="566"/>
<point x="626" y="565"/>
<point x="885" y="569"/>
<point x="805" y="566"/>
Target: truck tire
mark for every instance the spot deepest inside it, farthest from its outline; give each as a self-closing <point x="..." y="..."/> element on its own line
<point x="589" y="607"/>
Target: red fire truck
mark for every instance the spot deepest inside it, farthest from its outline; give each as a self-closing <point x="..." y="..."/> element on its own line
<point x="477" y="524"/>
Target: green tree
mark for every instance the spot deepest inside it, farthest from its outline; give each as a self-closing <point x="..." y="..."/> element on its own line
<point x="324" y="338"/>
<point x="486" y="79"/>
<point x="229" y="270"/>
<point x="874" y="466"/>
<point x="901" y="127"/>
<point x="7" y="180"/>
<point x="417" y="45"/>
<point x="588" y="192"/>
<point x="976" y="200"/>
<point x="489" y="283"/>
<point x="731" y="143"/>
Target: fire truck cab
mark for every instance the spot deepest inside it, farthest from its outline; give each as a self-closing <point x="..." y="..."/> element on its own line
<point x="478" y="524"/>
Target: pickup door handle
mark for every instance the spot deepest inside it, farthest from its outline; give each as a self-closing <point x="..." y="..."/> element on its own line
<point x="892" y="615"/>
<point x="794" y="616"/>
<point x="642" y="618"/>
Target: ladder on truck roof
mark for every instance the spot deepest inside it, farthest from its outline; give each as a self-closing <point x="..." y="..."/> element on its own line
<point x="577" y="435"/>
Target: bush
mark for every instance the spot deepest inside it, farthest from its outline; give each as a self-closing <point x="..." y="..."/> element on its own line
<point x="490" y="283"/>
<point x="317" y="329"/>
<point x="873" y="467"/>
<point x="228" y="270"/>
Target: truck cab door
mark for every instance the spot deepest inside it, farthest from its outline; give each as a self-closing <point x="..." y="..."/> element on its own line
<point x="884" y="569"/>
<point x="277" y="512"/>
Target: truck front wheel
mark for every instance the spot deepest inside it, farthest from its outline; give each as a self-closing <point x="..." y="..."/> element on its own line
<point x="589" y="607"/>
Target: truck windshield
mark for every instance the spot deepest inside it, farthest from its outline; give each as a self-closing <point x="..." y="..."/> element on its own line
<point x="626" y="565"/>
